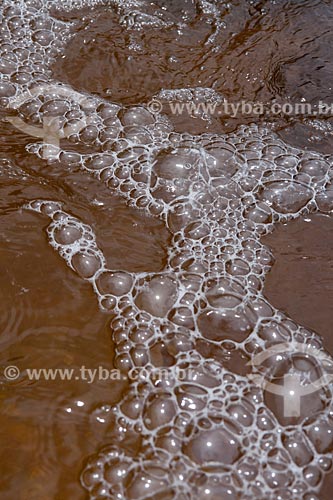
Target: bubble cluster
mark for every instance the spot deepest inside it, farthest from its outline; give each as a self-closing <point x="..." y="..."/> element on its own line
<point x="214" y="432"/>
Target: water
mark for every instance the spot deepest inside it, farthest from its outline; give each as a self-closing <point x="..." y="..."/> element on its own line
<point x="163" y="221"/>
<point x="300" y="282"/>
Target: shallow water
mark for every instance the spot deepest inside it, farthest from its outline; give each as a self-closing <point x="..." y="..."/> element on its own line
<point x="184" y="213"/>
<point x="300" y="282"/>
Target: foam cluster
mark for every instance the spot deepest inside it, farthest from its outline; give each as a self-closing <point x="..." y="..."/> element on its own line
<point x="215" y="432"/>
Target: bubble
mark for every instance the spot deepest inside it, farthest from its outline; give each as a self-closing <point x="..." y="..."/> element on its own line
<point x="137" y="116"/>
<point x="91" y="477"/>
<point x="143" y="485"/>
<point x="248" y="468"/>
<point x="116" y="472"/>
<point x="273" y="150"/>
<point x="89" y="134"/>
<point x="123" y="362"/>
<point x="108" y="303"/>
<point x="139" y="355"/>
<point x="6" y="89"/>
<point x="196" y="230"/>
<point x="7" y="67"/>
<point x="159" y="411"/>
<point x="203" y="376"/>
<point x="189" y="400"/>
<point x="86" y="265"/>
<point x="70" y="159"/>
<point x="175" y="164"/>
<point x="97" y="162"/>
<point x="160" y="356"/>
<point x="217" y="445"/>
<point x="316" y="168"/>
<point x="49" y="208"/>
<point x="30" y="108"/>
<point x="67" y="235"/>
<point x="181" y="215"/>
<point x="312" y="475"/>
<point x="225" y="324"/>
<point x="132" y="406"/>
<point x="158" y="296"/>
<point x="278" y="477"/>
<point x="182" y="316"/>
<point x="224" y="295"/>
<point x="21" y="77"/>
<point x="325" y="199"/>
<point x="310" y="496"/>
<point x="141" y="335"/>
<point x="179" y="343"/>
<point x="287" y="161"/>
<point x="238" y="267"/>
<point x="114" y="283"/>
<point x="286" y="197"/>
<point x="55" y="107"/>
<point x="293" y="394"/>
<point x="298" y="449"/>
<point x="138" y="135"/>
<point x="273" y="332"/>
<point x="325" y="463"/>
<point x="260" y="213"/>
<point x="240" y="413"/>
<point x="222" y="161"/>
<point x="169" y="443"/>
<point x="211" y="491"/>
<point x="321" y="435"/>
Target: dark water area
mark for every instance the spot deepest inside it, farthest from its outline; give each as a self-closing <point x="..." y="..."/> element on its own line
<point x="300" y="282"/>
<point x="256" y="51"/>
<point x="261" y="51"/>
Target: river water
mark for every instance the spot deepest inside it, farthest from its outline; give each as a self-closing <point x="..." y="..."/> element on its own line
<point x="197" y="240"/>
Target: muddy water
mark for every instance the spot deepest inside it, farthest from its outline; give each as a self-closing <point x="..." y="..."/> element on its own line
<point x="300" y="282"/>
<point x="50" y="317"/>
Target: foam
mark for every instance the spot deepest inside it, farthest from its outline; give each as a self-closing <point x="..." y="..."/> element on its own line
<point x="215" y="433"/>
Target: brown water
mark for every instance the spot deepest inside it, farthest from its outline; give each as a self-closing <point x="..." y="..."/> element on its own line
<point x="49" y="315"/>
<point x="300" y="282"/>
